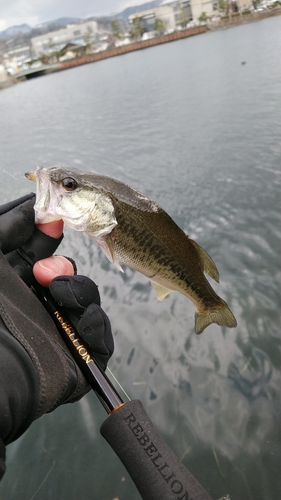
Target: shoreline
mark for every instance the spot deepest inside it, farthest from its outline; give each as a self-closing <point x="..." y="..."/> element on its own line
<point x="238" y="19"/>
<point x="227" y="22"/>
<point x="134" y="46"/>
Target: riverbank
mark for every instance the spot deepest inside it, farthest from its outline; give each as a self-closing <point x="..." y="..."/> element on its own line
<point x="132" y="47"/>
<point x="237" y="18"/>
<point x="224" y="22"/>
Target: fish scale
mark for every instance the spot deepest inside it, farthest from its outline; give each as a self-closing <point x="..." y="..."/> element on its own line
<point x="134" y="230"/>
<point x="181" y="270"/>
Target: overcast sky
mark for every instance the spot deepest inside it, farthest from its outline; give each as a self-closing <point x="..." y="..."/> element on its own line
<point x="32" y="12"/>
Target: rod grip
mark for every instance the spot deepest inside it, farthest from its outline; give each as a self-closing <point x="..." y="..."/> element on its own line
<point x="155" y="469"/>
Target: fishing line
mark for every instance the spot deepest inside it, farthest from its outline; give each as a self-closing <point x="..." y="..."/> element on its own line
<point x="14" y="176"/>
<point x="119" y="385"/>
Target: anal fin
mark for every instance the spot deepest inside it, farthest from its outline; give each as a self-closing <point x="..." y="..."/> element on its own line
<point x="160" y="291"/>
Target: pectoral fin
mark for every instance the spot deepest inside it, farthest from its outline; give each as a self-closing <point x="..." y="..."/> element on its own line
<point x="161" y="291"/>
<point x="106" y="245"/>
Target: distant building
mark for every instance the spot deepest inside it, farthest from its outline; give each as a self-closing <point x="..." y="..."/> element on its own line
<point x="172" y="13"/>
<point x="17" y="52"/>
<point x="177" y="13"/>
<point x="209" y="7"/>
<point x="242" y="4"/>
<point x="55" y="40"/>
<point x="181" y="11"/>
<point x="15" y="56"/>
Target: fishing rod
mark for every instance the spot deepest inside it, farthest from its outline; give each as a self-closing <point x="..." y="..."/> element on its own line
<point x="156" y="471"/>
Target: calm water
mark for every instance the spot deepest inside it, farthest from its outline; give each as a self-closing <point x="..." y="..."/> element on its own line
<point x="197" y="131"/>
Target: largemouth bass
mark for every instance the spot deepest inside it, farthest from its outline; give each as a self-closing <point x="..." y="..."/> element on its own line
<point x="134" y="230"/>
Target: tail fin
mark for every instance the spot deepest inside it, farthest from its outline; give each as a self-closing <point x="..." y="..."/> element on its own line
<point x="221" y="316"/>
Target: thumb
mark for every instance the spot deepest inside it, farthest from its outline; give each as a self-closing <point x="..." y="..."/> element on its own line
<point x="46" y="270"/>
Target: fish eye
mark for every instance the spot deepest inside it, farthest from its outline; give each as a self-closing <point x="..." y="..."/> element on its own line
<point x="69" y="184"/>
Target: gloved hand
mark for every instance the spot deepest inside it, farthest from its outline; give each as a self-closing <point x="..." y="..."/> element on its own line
<point x="37" y="371"/>
<point x="80" y="299"/>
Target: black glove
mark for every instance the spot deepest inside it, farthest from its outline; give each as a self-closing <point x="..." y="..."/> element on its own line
<point x="79" y="298"/>
<point x="37" y="371"/>
<point x="16" y="222"/>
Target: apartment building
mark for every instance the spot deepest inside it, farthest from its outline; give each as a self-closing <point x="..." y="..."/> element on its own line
<point x="54" y="40"/>
<point x="172" y="13"/>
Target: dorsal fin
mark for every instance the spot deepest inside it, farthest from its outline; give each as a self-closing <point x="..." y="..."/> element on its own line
<point x="208" y="265"/>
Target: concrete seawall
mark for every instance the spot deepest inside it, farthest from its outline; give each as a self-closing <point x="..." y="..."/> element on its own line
<point x="226" y="22"/>
<point x="124" y="49"/>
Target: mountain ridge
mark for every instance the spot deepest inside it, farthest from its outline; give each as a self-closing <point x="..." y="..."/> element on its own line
<point x="25" y="29"/>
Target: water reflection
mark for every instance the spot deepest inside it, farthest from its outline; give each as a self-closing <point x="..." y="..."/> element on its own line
<point x="207" y="149"/>
<point x="257" y="374"/>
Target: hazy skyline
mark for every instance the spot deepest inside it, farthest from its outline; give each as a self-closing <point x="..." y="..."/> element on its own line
<point x="34" y="12"/>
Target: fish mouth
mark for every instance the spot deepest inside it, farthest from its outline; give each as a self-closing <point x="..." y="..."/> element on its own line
<point x="31" y="175"/>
